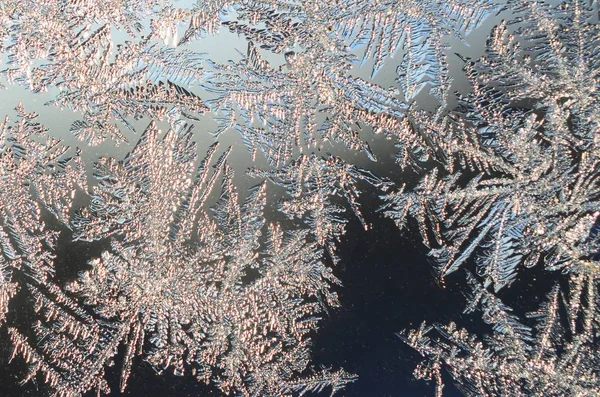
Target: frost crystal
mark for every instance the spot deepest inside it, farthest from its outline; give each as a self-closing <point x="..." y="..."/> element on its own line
<point x="516" y="360"/>
<point x="105" y="84"/>
<point x="313" y="185"/>
<point x="38" y="176"/>
<point x="200" y="283"/>
<point x="226" y="296"/>
<point x="518" y="177"/>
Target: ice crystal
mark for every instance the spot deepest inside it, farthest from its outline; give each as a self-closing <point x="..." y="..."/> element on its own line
<point x="299" y="100"/>
<point x="311" y="102"/>
<point x="71" y="47"/>
<point x="314" y="185"/>
<point x="415" y="29"/>
<point x="509" y="178"/>
<point x="515" y="359"/>
<point x="225" y="296"/>
<point x="312" y="98"/>
<point x="518" y="177"/>
<point x="38" y="175"/>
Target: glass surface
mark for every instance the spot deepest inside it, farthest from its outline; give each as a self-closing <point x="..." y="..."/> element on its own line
<point x="265" y="198"/>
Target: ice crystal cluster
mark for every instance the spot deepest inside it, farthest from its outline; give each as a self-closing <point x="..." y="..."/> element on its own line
<point x="517" y="180"/>
<point x="196" y="277"/>
<point x="516" y="360"/>
<point x="515" y="186"/>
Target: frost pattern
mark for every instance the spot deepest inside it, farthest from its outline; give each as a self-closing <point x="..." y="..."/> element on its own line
<point x="309" y="100"/>
<point x="314" y="185"/>
<point x="517" y="181"/>
<point x="312" y="98"/>
<point x="415" y="29"/>
<point x="226" y="296"/>
<point x="71" y="48"/>
<point x="515" y="184"/>
<point x="516" y="360"/>
<point x="38" y="176"/>
<point x="509" y="180"/>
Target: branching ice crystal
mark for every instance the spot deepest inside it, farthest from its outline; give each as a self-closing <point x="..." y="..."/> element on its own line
<point x="38" y="175"/>
<point x="309" y="100"/>
<point x="518" y="181"/>
<point x="509" y="179"/>
<point x="414" y="29"/>
<point x="225" y="296"/>
<point x="312" y="98"/>
<point x="515" y="360"/>
<point x="314" y="185"/>
<point x="71" y="47"/>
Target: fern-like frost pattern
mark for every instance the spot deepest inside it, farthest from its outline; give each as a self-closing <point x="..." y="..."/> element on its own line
<point x="192" y="275"/>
